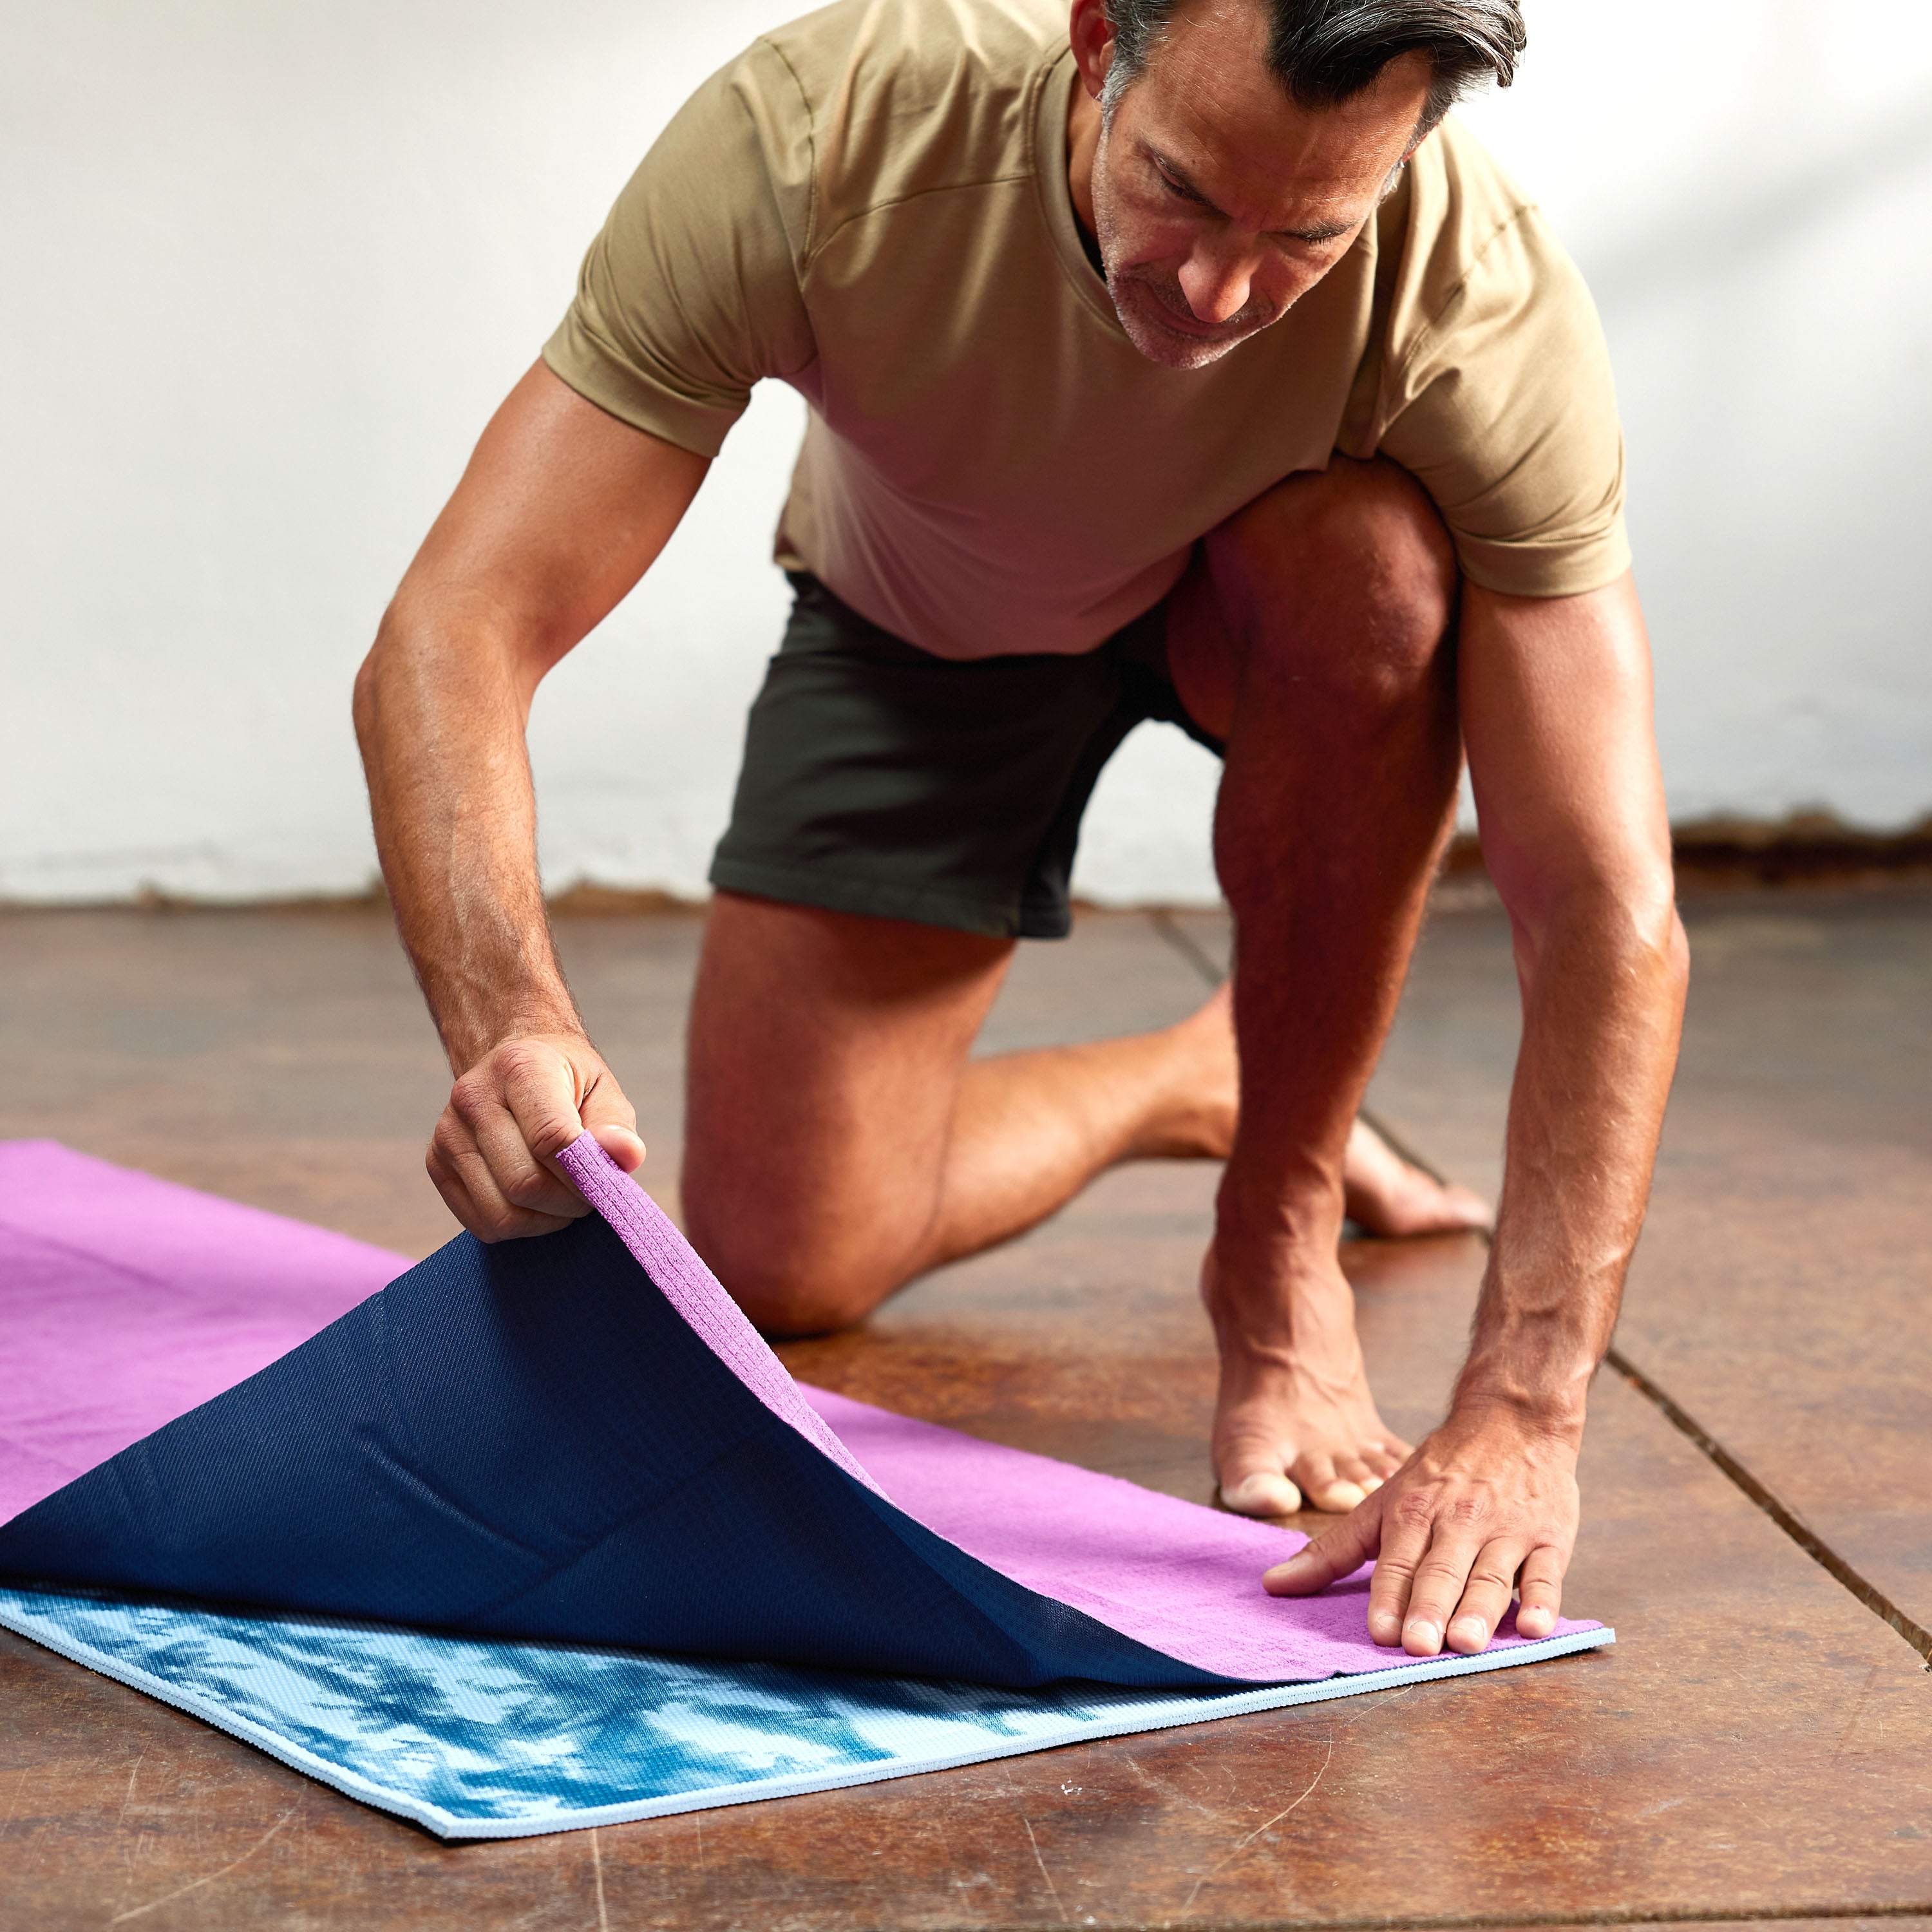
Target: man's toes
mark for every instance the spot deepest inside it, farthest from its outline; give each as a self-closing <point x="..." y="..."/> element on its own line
<point x="1391" y="1196"/>
<point x="1462" y="1207"/>
<point x="1261" y="1493"/>
<point x="1417" y="1204"/>
<point x="1325" y="1486"/>
<point x="1337" y="1498"/>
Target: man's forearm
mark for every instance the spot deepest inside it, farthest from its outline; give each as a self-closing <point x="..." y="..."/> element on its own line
<point x="561" y="509"/>
<point x="441" y="722"/>
<point x="1603" y="997"/>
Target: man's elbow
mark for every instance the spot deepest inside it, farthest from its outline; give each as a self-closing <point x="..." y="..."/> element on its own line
<point x="1641" y="905"/>
<point x="406" y="666"/>
<point x="1623" y="910"/>
<point x="365" y="695"/>
<point x="1676" y="958"/>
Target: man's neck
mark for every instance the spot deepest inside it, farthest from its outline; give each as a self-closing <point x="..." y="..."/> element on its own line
<point x="1083" y="140"/>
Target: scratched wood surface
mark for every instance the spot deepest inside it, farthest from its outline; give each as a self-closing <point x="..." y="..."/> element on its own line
<point x="1759" y="1743"/>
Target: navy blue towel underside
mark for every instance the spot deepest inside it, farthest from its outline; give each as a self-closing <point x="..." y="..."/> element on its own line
<point x="526" y="1440"/>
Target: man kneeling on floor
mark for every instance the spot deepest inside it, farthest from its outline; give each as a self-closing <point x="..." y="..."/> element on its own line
<point x="1191" y="367"/>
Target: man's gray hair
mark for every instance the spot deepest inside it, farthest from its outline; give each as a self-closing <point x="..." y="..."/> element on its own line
<point x="1324" y="51"/>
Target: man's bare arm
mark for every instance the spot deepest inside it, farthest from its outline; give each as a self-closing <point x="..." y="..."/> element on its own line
<point x="561" y="509"/>
<point x="1555" y="698"/>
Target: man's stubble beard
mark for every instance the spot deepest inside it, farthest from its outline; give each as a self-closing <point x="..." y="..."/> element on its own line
<point x="1133" y="294"/>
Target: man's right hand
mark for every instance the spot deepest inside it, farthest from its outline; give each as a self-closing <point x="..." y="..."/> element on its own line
<point x="493" y="1155"/>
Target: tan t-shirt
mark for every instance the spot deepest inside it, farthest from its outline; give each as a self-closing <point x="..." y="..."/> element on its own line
<point x="871" y="205"/>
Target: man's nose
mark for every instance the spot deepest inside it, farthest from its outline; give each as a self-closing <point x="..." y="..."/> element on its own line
<point x="1217" y="282"/>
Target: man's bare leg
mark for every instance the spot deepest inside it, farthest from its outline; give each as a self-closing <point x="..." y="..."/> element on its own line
<point x="840" y="1142"/>
<point x="1175" y="1094"/>
<point x="1313" y="634"/>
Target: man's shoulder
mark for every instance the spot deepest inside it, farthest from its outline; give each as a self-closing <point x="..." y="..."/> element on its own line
<point x="1465" y="197"/>
<point x="899" y="55"/>
<point x="902" y="97"/>
<point x="1469" y="220"/>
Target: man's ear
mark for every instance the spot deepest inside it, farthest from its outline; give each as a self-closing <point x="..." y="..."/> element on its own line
<point x="1091" y="34"/>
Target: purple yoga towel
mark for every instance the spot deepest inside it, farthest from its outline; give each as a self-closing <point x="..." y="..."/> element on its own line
<point x="124" y="1301"/>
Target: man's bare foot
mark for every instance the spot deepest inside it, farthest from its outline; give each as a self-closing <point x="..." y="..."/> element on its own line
<point x="1385" y="1195"/>
<point x="1199" y="1088"/>
<point x="1389" y="1196"/>
<point x="1294" y="1421"/>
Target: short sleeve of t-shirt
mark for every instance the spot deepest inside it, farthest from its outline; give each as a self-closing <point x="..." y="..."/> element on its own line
<point x="1496" y="392"/>
<point x="690" y="294"/>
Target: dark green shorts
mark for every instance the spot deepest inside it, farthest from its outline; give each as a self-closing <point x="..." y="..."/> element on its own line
<point x="879" y="779"/>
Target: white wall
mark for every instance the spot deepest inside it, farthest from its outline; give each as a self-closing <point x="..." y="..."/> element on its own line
<point x="1748" y="185"/>
<point x="265" y="268"/>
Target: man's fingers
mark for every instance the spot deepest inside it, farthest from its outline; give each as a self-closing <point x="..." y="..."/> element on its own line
<point x="539" y="1086"/>
<point x="607" y="1114"/>
<point x="621" y="1143"/>
<point x="524" y="1182"/>
<point x="448" y="1183"/>
<point x="463" y="1179"/>
<point x="1542" y="1591"/>
<point x="1483" y="1501"/>
<point x="1440" y="1578"/>
<point x="493" y="1156"/>
<point x="493" y="1216"/>
<point x="502" y="1115"/>
<point x="1405" y="1542"/>
<point x="1485" y="1596"/>
<point x="1336" y="1552"/>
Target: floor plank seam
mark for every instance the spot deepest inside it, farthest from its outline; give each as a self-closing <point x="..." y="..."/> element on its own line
<point x="1787" y="1519"/>
<point x="1183" y="942"/>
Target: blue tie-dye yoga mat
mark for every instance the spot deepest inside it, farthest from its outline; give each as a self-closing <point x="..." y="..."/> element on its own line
<point x="538" y="1465"/>
<point x="481" y="1739"/>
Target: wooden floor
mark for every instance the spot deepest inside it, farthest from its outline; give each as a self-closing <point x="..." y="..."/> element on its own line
<point x="1758" y="1518"/>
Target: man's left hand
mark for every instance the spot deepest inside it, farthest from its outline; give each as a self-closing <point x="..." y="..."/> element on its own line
<point x="1489" y="1497"/>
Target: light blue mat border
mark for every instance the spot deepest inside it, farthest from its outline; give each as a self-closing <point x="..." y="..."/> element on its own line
<point x="1062" y="1715"/>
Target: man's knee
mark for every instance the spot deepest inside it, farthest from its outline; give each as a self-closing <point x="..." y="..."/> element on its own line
<point x="1348" y="578"/>
<point x="781" y="1280"/>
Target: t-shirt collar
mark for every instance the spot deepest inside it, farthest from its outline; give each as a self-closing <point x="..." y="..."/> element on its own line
<point x="1053" y="95"/>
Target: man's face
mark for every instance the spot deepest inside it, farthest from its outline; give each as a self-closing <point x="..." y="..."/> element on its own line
<point x="1217" y="200"/>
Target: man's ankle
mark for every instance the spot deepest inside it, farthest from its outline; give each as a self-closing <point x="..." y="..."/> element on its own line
<point x="1264" y="1305"/>
<point x="1276" y="1220"/>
